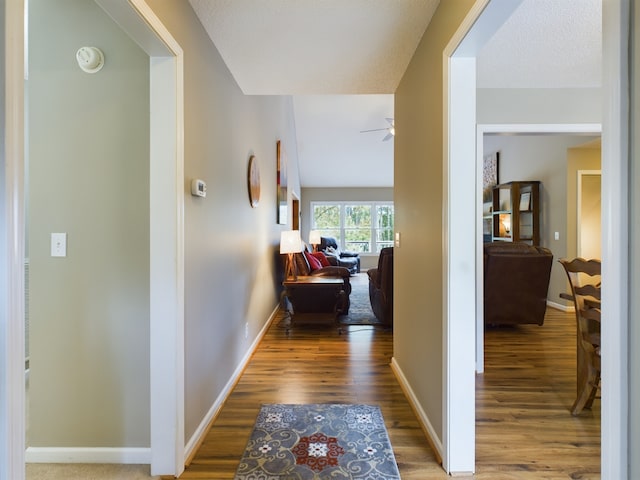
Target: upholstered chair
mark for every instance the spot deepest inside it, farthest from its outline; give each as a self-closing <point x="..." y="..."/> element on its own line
<point x="381" y="287"/>
<point x="337" y="257"/>
<point x="516" y="282"/>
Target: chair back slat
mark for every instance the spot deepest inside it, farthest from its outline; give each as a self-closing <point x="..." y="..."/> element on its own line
<point x="581" y="265"/>
<point x="589" y="290"/>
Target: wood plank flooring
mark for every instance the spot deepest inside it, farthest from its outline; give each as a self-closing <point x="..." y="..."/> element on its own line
<point x="524" y="428"/>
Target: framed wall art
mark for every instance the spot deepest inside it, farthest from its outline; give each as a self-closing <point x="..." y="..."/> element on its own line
<point x="253" y="181"/>
<point x="490" y="175"/>
<point x="282" y="183"/>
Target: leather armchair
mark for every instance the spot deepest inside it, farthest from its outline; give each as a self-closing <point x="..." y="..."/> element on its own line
<point x="381" y="287"/>
<point x="516" y="282"/>
<point x="337" y="257"/>
<point x="303" y="268"/>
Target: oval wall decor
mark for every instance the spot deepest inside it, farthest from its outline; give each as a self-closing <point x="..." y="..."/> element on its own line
<point x="253" y="181"/>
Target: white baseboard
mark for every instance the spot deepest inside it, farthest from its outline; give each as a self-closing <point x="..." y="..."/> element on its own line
<point x="423" y="419"/>
<point x="562" y="308"/>
<point x="198" y="436"/>
<point x="88" y="455"/>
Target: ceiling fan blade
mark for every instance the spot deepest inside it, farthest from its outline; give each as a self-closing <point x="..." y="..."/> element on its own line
<point x="374" y="130"/>
<point x="388" y="136"/>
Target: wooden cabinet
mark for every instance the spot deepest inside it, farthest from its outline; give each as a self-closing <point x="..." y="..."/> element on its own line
<point x="515" y="212"/>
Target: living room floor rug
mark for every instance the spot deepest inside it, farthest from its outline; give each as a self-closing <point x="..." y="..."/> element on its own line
<point x="318" y="442"/>
<point x="360" y="312"/>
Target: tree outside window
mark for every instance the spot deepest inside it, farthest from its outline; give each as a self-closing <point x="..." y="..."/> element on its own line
<point x="326" y="219"/>
<point x="357" y="228"/>
<point x="384" y="226"/>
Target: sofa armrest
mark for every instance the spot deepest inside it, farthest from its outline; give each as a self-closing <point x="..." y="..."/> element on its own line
<point x="332" y="271"/>
<point x="374" y="277"/>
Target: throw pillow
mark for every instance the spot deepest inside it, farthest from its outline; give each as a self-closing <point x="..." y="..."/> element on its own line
<point x="324" y="261"/>
<point x="314" y="263"/>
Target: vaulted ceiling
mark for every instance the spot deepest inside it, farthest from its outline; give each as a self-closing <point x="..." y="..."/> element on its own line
<point x="343" y="59"/>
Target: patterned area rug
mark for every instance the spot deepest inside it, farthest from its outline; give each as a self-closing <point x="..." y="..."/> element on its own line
<point x="318" y="442"/>
<point x="360" y="312"/>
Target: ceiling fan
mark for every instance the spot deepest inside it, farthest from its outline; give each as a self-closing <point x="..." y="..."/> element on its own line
<point x="391" y="130"/>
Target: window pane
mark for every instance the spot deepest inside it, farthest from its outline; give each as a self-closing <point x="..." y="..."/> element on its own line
<point x="384" y="224"/>
<point x="385" y="235"/>
<point x="384" y="238"/>
<point x="385" y="216"/>
<point x="326" y="219"/>
<point x="357" y="223"/>
<point x="358" y="240"/>
<point x="357" y="216"/>
<point x="326" y="216"/>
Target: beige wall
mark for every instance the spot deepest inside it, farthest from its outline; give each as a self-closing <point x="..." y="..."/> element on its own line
<point x="342" y="194"/>
<point x="577" y="159"/>
<point x="539" y="105"/>
<point x="231" y="263"/>
<point x="418" y="173"/>
<point x="89" y="177"/>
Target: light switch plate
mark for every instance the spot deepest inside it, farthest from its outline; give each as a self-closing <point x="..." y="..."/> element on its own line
<point x="58" y="244"/>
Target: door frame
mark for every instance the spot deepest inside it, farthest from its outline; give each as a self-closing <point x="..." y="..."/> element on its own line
<point x="510" y="129"/>
<point x="580" y="174"/>
<point x="615" y="165"/>
<point x="12" y="242"/>
<point x="166" y="200"/>
<point x="167" y="449"/>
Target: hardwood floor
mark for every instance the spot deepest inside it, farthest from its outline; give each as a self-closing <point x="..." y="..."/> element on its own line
<point x="523" y="429"/>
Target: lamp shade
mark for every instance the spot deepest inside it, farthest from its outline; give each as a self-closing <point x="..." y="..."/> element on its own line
<point x="290" y="241"/>
<point x="314" y="237"/>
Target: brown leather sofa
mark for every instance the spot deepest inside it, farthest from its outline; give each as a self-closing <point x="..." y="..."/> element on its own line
<point x="381" y="287"/>
<point x="306" y="301"/>
<point x="516" y="282"/>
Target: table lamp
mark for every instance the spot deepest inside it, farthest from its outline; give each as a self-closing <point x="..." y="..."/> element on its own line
<point x="290" y="243"/>
<point x="314" y="239"/>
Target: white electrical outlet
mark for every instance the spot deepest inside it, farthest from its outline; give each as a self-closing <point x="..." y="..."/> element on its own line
<point x="58" y="244"/>
<point x="556" y="235"/>
<point x="246" y="330"/>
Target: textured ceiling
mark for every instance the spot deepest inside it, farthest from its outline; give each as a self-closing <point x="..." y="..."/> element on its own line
<point x="331" y="48"/>
<point x="295" y="47"/>
<point x="545" y="44"/>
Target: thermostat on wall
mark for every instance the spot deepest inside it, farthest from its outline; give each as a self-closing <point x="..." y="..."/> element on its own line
<point x="198" y="188"/>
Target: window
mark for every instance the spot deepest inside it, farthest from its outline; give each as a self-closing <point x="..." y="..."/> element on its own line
<point x="365" y="227"/>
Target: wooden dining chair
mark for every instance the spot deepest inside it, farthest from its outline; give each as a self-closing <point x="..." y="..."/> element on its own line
<point x="584" y="278"/>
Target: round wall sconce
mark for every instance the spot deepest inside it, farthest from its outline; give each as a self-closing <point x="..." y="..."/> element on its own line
<point x="90" y="59"/>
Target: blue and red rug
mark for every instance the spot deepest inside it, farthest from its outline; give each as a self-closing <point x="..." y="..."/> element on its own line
<point x="318" y="442"/>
